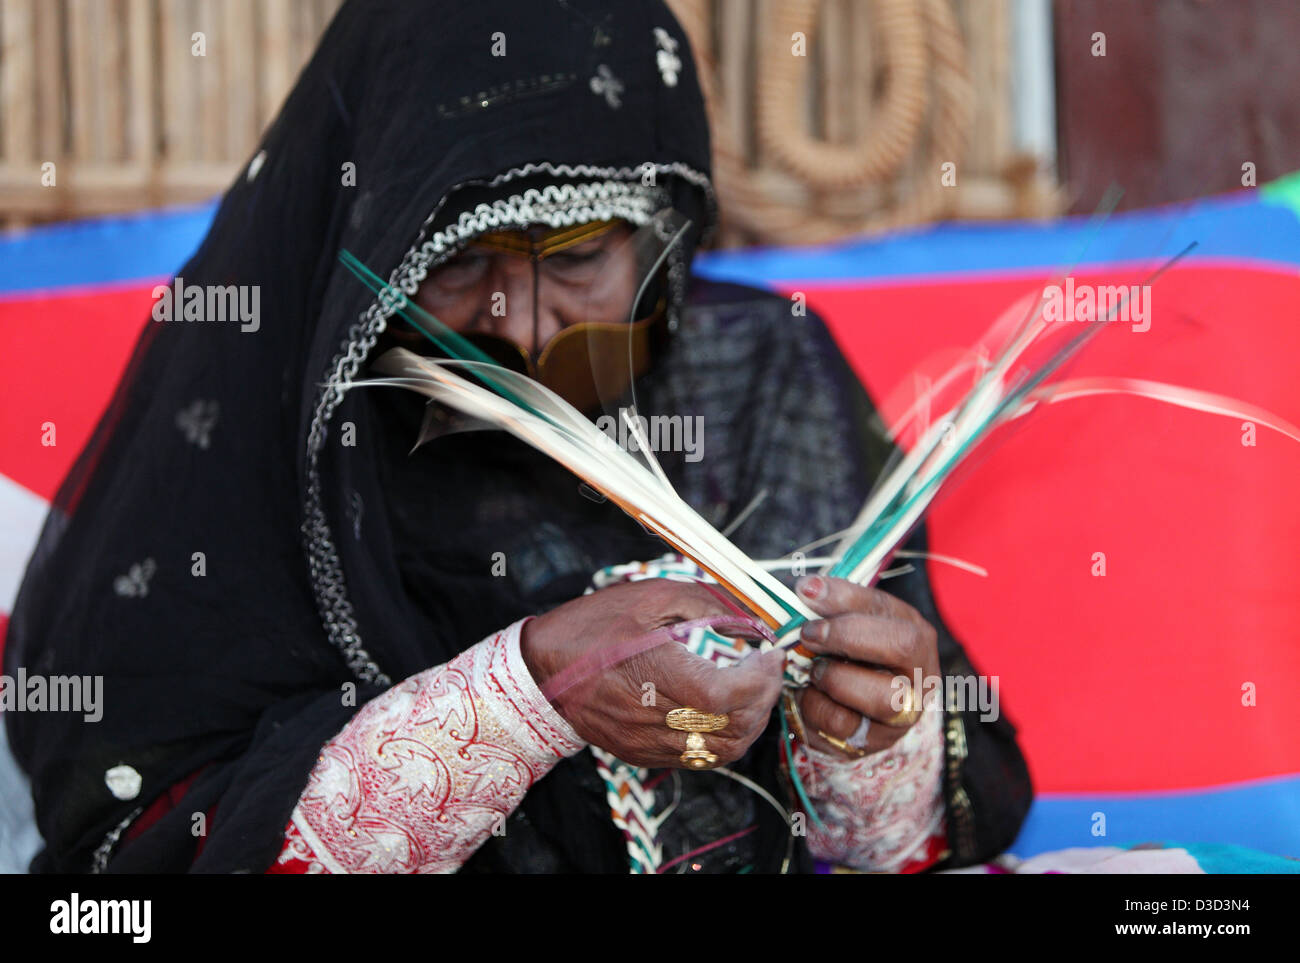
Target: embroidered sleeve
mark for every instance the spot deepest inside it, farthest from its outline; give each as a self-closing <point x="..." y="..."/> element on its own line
<point x="883" y="812"/>
<point x="424" y="773"/>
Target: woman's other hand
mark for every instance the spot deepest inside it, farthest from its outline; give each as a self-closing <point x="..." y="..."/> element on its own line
<point x="622" y="708"/>
<point x="869" y="647"/>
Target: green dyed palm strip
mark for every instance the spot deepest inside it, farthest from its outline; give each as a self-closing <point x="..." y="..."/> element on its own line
<point x="882" y="525"/>
<point x="448" y="340"/>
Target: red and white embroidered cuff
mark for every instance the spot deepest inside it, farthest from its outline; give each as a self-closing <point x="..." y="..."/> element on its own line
<point x="881" y="811"/>
<point x="424" y="773"/>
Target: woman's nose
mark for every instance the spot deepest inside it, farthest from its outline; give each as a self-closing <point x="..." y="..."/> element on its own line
<point x="511" y="306"/>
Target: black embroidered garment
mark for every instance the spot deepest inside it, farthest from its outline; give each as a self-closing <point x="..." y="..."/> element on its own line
<point x="242" y="538"/>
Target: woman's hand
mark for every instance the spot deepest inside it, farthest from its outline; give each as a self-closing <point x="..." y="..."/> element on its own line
<point x="864" y="642"/>
<point x="616" y="709"/>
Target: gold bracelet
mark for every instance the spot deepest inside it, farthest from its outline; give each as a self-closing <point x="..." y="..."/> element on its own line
<point x="790" y="709"/>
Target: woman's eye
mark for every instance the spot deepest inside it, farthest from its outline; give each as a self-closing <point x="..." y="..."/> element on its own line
<point x="577" y="257"/>
<point x="463" y="269"/>
<point x="576" y="267"/>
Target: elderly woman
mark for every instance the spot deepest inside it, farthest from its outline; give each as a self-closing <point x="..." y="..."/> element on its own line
<point x="323" y="651"/>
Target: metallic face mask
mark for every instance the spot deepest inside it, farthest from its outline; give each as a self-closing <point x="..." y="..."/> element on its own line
<point x="586" y="363"/>
<point x="592" y="287"/>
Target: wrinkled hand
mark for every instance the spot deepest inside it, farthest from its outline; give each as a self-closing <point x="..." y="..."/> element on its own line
<point x="608" y="711"/>
<point x="864" y="642"/>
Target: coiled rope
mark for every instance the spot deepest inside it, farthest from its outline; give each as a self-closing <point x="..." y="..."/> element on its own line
<point x="928" y="80"/>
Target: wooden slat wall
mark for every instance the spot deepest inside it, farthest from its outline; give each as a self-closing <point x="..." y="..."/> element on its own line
<point x="110" y="92"/>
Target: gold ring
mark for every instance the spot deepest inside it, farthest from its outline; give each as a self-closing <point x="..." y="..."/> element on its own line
<point x="694" y="722"/>
<point x="697" y="755"/>
<point x="842" y="746"/>
<point x="687" y="719"/>
<point x="910" y="712"/>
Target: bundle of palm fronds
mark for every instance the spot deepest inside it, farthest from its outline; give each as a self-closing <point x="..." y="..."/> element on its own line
<point x="1011" y="378"/>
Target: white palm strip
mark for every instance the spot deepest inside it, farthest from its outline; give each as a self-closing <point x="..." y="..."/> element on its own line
<point x="939" y="449"/>
<point x="1177" y="395"/>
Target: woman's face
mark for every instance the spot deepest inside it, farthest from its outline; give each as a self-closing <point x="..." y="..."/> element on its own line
<point x="529" y="293"/>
